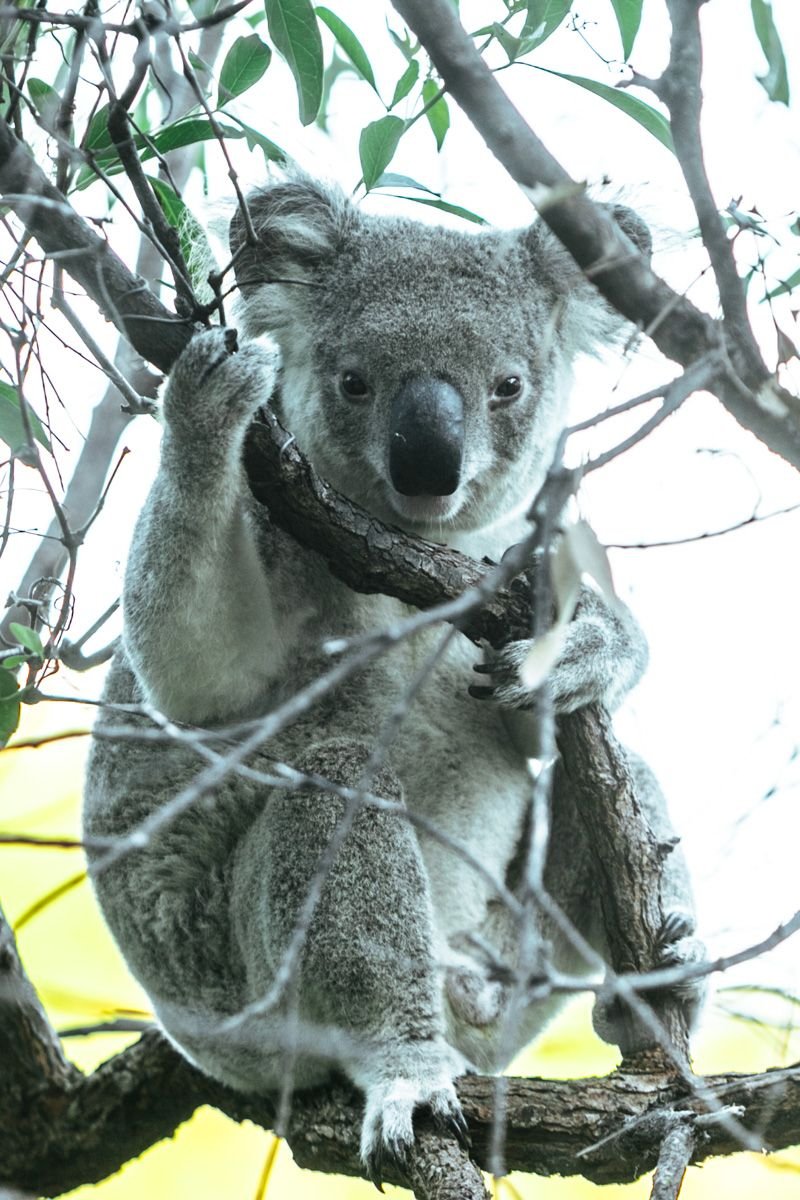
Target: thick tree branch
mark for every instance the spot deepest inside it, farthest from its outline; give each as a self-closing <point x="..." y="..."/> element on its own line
<point x="679" y="329"/>
<point x="122" y="297"/>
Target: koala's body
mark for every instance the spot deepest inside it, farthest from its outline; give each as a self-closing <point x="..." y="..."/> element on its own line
<point x="425" y="373"/>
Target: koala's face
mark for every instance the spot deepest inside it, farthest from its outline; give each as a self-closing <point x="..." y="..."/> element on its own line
<point x="425" y="371"/>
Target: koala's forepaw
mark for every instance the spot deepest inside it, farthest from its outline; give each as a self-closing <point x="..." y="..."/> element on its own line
<point x="216" y="382"/>
<point x="426" y="1081"/>
<point x="581" y="674"/>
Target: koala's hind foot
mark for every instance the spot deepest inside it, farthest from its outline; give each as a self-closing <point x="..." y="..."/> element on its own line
<point x="677" y="947"/>
<point x="420" y="1076"/>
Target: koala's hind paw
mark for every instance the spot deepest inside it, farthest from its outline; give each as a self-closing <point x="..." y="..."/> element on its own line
<point x="387" y="1133"/>
<point x="677" y="947"/>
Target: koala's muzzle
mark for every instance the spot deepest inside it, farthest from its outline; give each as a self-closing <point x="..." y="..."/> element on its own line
<point x="426" y="438"/>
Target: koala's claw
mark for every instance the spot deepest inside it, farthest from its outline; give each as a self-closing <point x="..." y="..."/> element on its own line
<point x="454" y="1123"/>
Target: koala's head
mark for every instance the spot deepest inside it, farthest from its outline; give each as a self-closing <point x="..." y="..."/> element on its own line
<point x="425" y="371"/>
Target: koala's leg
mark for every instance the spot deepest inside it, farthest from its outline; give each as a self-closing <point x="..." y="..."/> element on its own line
<point x="678" y="944"/>
<point x="367" y="977"/>
<point x="198" y="627"/>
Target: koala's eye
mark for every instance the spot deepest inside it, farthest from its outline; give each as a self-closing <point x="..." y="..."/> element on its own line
<point x="354" y="385"/>
<point x="508" y="388"/>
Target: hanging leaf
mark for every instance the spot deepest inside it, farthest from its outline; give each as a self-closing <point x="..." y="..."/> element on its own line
<point x="644" y="114"/>
<point x="444" y="206"/>
<point x="12" y="429"/>
<point x="9" y="705"/>
<point x="629" y="16"/>
<point x="295" y="34"/>
<point x="389" y="179"/>
<point x="542" y="19"/>
<point x="776" y="81"/>
<point x="193" y="241"/>
<point x="27" y="637"/>
<point x="438" y="115"/>
<point x="350" y="44"/>
<point x="377" y="145"/>
<point x="513" y="46"/>
<point x="406" y="82"/>
<point x="271" y="150"/>
<point x="245" y="63"/>
<point x="786" y="286"/>
<point x="46" y="101"/>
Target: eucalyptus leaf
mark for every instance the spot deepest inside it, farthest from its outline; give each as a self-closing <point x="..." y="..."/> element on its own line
<point x="405" y="83"/>
<point x="388" y="179"/>
<point x="245" y="63"/>
<point x="27" y="637"/>
<point x="377" y="146"/>
<point x="786" y="286"/>
<point x="444" y="206"/>
<point x="629" y="16"/>
<point x="541" y="20"/>
<point x="9" y="706"/>
<point x="349" y="43"/>
<point x="271" y="150"/>
<point x="193" y="241"/>
<point x="438" y="115"/>
<point x="12" y="429"/>
<point x="46" y="100"/>
<point x="644" y="114"/>
<point x="776" y="81"/>
<point x="295" y="34"/>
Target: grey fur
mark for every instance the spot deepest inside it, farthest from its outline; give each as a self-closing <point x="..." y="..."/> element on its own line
<point x="225" y="616"/>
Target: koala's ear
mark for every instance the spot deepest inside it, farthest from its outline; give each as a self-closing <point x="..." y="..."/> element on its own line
<point x="584" y="320"/>
<point x="299" y="224"/>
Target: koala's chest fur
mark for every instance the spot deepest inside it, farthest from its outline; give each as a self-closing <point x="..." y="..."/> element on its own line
<point x="458" y="765"/>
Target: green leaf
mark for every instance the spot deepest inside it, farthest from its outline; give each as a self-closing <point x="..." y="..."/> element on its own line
<point x="97" y="137"/>
<point x="46" y="101"/>
<point x="12" y="429"/>
<point x="183" y="133"/>
<point x="646" y="116"/>
<point x="271" y="150"/>
<point x="542" y="19"/>
<point x="439" y="114"/>
<point x="776" y="81"/>
<point x="786" y="286"/>
<point x="377" y="145"/>
<point x="512" y="45"/>
<point x="455" y="209"/>
<point x="245" y="63"/>
<point x="406" y="82"/>
<point x="349" y="44"/>
<point x="27" y="637"/>
<point x="629" y="16"/>
<point x="192" y="236"/>
<point x="9" y="706"/>
<point x="403" y="181"/>
<point x="295" y="34"/>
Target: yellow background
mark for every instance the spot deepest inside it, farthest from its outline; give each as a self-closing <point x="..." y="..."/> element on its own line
<point x="82" y="979"/>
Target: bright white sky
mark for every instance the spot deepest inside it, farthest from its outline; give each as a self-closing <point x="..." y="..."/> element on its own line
<point x="719" y="711"/>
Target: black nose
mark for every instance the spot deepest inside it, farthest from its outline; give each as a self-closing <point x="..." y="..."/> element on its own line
<point x="426" y="438"/>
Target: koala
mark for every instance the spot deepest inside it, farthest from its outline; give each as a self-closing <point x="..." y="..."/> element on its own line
<point x="425" y="372"/>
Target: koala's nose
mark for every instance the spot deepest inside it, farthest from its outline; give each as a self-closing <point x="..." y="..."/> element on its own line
<point x="426" y="438"/>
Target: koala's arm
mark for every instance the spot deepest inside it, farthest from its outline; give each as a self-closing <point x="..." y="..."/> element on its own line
<point x="603" y="656"/>
<point x="198" y="614"/>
